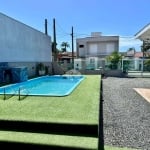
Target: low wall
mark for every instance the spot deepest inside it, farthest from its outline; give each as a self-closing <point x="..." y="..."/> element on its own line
<point x="107" y="73"/>
<point x="114" y="73"/>
<point x="51" y="68"/>
<point x="90" y="72"/>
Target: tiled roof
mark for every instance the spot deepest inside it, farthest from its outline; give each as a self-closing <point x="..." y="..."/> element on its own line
<point x="138" y="54"/>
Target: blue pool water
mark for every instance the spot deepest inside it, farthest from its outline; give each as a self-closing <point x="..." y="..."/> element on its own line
<point x="45" y="86"/>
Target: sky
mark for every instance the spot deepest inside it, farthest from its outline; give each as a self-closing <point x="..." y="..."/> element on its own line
<point x="123" y="18"/>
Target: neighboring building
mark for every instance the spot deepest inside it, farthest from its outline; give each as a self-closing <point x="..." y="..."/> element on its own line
<point x="22" y="45"/>
<point x="66" y="57"/>
<point x="144" y="35"/>
<point x="138" y="55"/>
<point x="93" y="50"/>
<point x="130" y="52"/>
<point x="65" y="60"/>
<point x="97" y="45"/>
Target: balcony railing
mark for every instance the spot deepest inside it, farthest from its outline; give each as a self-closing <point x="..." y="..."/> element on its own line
<point x="94" y="55"/>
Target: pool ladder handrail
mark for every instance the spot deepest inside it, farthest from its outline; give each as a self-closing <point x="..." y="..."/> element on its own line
<point x="22" y="89"/>
<point x="15" y="91"/>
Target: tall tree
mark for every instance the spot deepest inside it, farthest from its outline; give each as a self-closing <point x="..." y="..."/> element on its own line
<point x="64" y="46"/>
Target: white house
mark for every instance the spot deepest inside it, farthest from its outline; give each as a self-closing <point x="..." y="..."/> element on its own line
<point x="22" y="45"/>
<point x="136" y="59"/>
<point x="94" y="49"/>
<point x="97" y="45"/>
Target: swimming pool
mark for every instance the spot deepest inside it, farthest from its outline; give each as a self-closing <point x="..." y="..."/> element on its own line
<point x="58" y="85"/>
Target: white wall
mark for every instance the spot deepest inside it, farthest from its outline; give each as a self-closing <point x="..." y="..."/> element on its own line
<point x="21" y="43"/>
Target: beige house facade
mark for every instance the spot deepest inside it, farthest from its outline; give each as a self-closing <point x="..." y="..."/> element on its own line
<point x="97" y="45"/>
<point x="92" y="51"/>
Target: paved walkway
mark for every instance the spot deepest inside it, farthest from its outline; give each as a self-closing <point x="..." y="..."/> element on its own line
<point x="126" y="113"/>
<point x="144" y="92"/>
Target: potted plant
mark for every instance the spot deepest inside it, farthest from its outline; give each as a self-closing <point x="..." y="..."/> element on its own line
<point x="41" y="69"/>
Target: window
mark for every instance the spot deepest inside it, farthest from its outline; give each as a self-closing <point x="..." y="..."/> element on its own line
<point x="110" y="48"/>
<point x="81" y="46"/>
<point x="93" y="48"/>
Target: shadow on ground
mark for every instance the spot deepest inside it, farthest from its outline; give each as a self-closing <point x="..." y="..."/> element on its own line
<point x="84" y="130"/>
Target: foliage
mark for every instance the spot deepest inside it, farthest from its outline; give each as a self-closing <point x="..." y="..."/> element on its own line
<point x="114" y="59"/>
<point x="126" y="64"/>
<point x="146" y="46"/>
<point x="41" y="66"/>
<point x="64" y="46"/>
<point x="131" y="49"/>
<point x="55" y="51"/>
<point x="147" y="65"/>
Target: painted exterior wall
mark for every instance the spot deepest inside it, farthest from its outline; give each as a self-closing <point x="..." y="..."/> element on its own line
<point x="97" y="46"/>
<point x="21" y="43"/>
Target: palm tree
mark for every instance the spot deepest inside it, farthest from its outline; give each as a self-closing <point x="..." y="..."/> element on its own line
<point x="64" y="46"/>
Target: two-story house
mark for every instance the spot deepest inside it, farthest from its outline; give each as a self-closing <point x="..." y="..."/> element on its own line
<point x="94" y="49"/>
<point x="97" y="45"/>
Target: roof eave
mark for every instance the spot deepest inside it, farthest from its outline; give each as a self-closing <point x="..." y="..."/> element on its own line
<point x="139" y="35"/>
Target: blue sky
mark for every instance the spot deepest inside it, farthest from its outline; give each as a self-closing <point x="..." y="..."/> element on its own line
<point x="111" y="17"/>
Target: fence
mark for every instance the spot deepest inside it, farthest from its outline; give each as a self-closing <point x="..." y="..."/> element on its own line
<point x="91" y="63"/>
<point x="130" y="66"/>
<point x="136" y="67"/>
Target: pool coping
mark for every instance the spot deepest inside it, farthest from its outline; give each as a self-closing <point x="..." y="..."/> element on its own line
<point x="52" y="94"/>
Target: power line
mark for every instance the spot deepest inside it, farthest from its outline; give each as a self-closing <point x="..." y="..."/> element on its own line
<point x="61" y="29"/>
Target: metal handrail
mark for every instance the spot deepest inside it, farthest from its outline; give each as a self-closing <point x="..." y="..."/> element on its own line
<point x="22" y="89"/>
<point x="5" y="93"/>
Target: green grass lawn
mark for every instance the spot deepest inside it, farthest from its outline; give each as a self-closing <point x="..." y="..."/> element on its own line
<point x="81" y="106"/>
<point x="75" y="141"/>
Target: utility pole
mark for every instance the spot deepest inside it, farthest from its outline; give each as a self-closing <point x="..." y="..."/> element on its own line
<point x="54" y="41"/>
<point x="46" y="26"/>
<point x="72" y="48"/>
